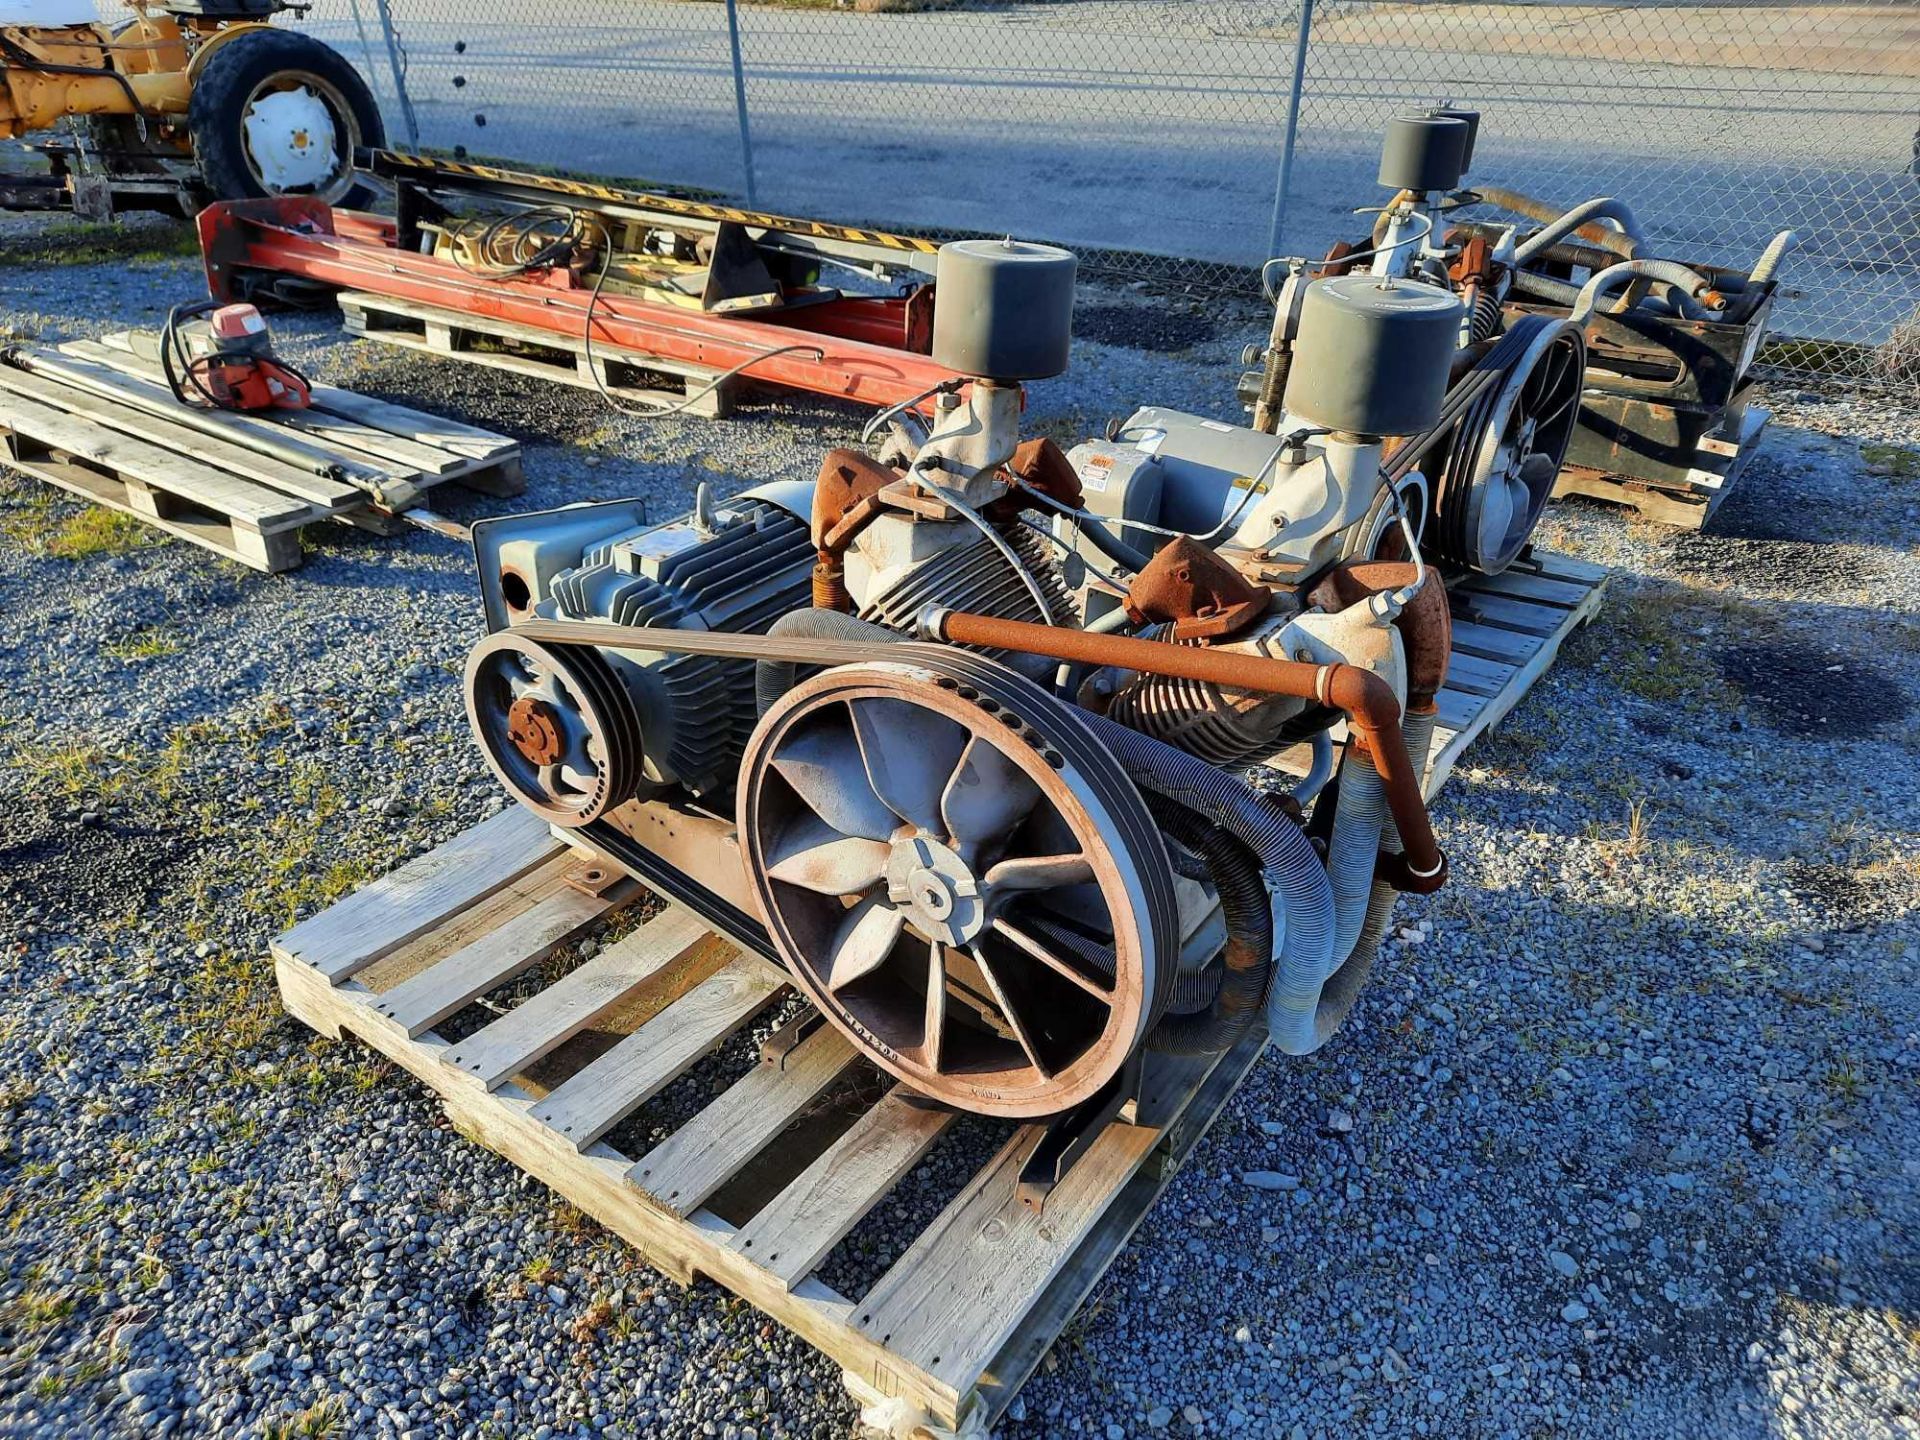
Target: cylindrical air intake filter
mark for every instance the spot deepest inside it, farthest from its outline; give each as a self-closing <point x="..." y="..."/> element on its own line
<point x="1003" y="309"/>
<point x="1471" y="118"/>
<point x="1371" y="355"/>
<point x="1423" y="152"/>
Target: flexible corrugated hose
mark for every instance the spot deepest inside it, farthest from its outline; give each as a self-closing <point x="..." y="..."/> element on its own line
<point x="1301" y="899"/>
<point x="1199" y="1023"/>
<point x="773" y="678"/>
<point x="1346" y="983"/>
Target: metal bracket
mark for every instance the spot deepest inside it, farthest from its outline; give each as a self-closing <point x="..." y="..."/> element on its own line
<point x="775" y="1049"/>
<point x="1068" y="1136"/>
<point x="594" y="878"/>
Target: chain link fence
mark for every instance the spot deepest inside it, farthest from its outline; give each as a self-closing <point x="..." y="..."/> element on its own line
<point x="1199" y="138"/>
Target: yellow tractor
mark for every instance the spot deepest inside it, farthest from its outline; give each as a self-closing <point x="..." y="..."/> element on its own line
<point x="189" y="101"/>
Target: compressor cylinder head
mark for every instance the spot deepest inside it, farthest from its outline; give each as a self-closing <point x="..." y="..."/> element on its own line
<point x="1424" y="153"/>
<point x="1372" y="354"/>
<point x="1003" y="309"/>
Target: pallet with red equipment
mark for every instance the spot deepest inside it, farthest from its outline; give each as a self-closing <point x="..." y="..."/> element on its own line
<point x="851" y="347"/>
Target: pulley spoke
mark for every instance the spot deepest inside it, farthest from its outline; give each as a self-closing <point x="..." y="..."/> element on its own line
<point x="1014" y="1022"/>
<point x="1040" y="872"/>
<point x="865" y="939"/>
<point x="934" y="1023"/>
<point x="1052" y="961"/>
<point x="825" y="769"/>
<point x="909" y="754"/>
<point x="813" y="855"/>
<point x="988" y="795"/>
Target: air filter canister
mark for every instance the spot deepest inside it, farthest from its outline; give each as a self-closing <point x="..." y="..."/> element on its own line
<point x="1371" y="355"/>
<point x="1424" y="152"/>
<point x="1471" y="119"/>
<point x="1003" y="309"/>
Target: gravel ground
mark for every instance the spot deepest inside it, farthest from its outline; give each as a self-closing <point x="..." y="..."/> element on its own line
<point x="1620" y="1142"/>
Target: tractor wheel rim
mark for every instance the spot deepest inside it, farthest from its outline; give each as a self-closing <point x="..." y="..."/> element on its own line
<point x="299" y="137"/>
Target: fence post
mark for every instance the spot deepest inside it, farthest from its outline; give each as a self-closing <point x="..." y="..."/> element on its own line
<point x="399" y="68"/>
<point x="1284" y="183"/>
<point x="740" y="99"/>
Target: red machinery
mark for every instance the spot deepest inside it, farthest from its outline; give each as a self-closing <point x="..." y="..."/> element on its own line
<point x="868" y="349"/>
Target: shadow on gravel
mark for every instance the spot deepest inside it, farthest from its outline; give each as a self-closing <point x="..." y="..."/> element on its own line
<point x="85" y="872"/>
<point x="1153" y="328"/>
<point x="1809" y="694"/>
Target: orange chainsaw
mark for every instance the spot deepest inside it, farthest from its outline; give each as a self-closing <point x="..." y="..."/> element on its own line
<point x="225" y="361"/>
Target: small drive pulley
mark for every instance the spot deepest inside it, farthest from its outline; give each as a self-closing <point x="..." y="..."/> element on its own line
<point x="556" y="725"/>
<point x="961" y="878"/>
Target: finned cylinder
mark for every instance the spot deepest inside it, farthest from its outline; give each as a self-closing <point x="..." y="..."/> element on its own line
<point x="1423" y="153"/>
<point x="1003" y="309"/>
<point x="1372" y="354"/>
<point x="1471" y="118"/>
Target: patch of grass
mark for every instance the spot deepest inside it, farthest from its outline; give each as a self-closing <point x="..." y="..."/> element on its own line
<point x="37" y="1309"/>
<point x="151" y="1271"/>
<point x="1653" y="657"/>
<point x="540" y="1269"/>
<point x="324" y="1418"/>
<point x="1896" y="462"/>
<point x="82" y="243"/>
<point x="1826" y="357"/>
<point x="1843" y="1080"/>
<point x="41" y="525"/>
<point x="147" y="643"/>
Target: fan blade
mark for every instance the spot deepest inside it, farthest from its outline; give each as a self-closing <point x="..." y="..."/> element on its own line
<point x="1056" y="963"/>
<point x="813" y="855"/>
<point x="822" y="763"/>
<point x="865" y="939"/>
<point x="1537" y="472"/>
<point x="1014" y="1021"/>
<point x="988" y="795"/>
<point x="1040" y="872"/>
<point x="934" y="1024"/>
<point x="909" y="754"/>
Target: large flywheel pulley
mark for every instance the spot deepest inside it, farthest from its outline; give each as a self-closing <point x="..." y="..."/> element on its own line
<point x="1499" y="465"/>
<point x="960" y="877"/>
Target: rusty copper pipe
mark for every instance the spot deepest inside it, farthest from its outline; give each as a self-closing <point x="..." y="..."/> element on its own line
<point x="1368" y="701"/>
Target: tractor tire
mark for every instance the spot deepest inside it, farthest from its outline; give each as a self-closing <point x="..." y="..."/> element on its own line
<point x="278" y="113"/>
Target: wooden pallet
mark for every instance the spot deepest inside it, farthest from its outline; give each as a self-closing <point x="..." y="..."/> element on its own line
<point x="942" y="1341"/>
<point x="525" y="350"/>
<point x="1719" y="462"/>
<point x="1507" y="630"/>
<point x="97" y="419"/>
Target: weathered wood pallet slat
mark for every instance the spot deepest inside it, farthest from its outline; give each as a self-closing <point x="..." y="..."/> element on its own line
<point x="96" y="418"/>
<point x="548" y="1020"/>
<point x="1685" y="502"/>
<point x="753" y="1190"/>
<point x="524" y="350"/>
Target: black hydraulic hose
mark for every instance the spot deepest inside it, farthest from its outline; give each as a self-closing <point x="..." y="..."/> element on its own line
<point x="27" y="61"/>
<point x="1248" y="911"/>
<point x="773" y="678"/>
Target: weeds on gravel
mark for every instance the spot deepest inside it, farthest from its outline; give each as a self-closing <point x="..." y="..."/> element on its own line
<point x="81" y="243"/>
<point x="326" y="1417"/>
<point x="1896" y="462"/>
<point x="43" y="525"/>
<point x="148" y="643"/>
